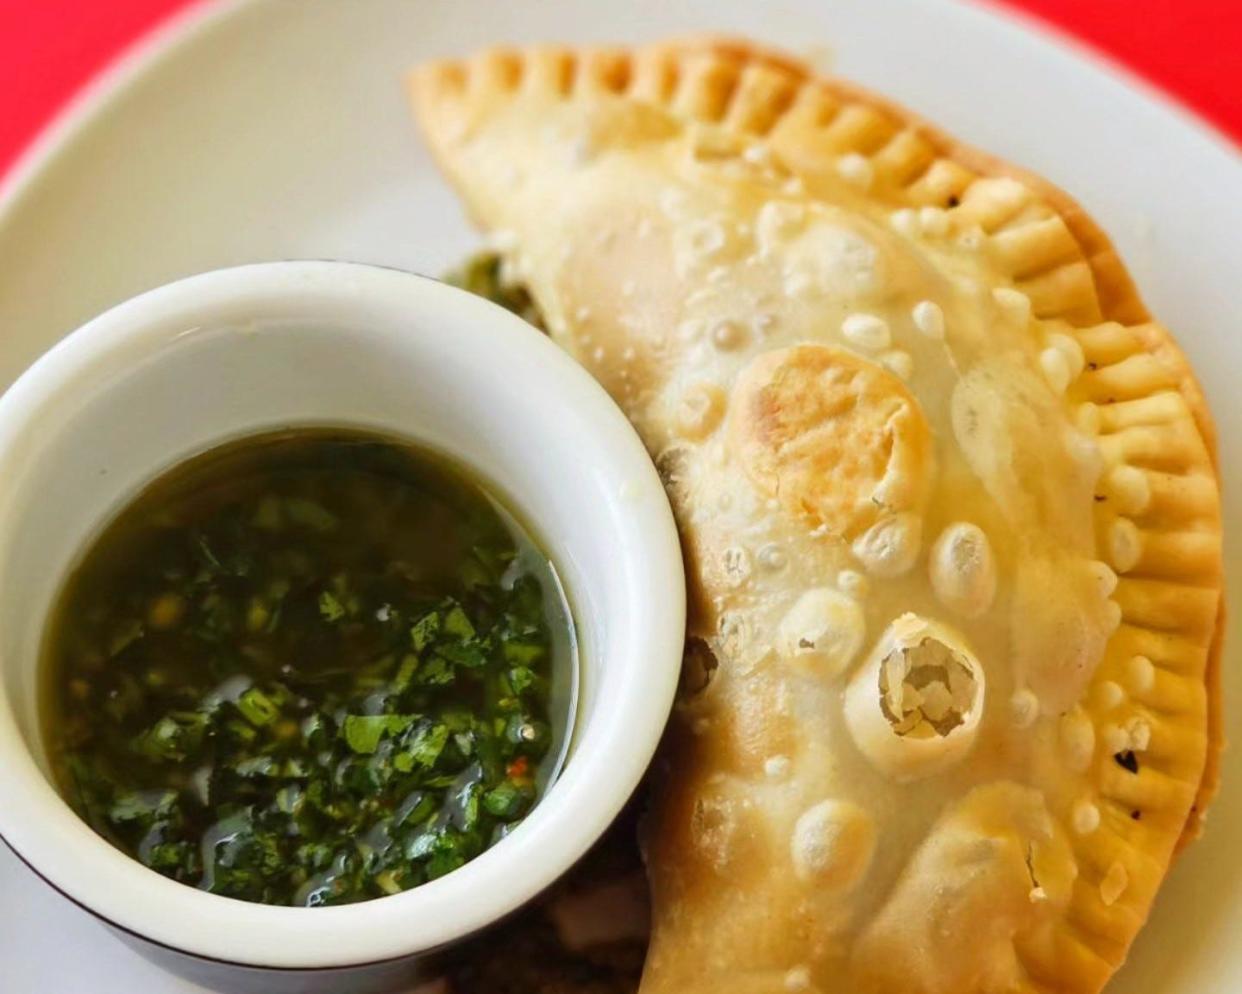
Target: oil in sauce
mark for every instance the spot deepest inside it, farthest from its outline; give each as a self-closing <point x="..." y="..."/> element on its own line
<point x="309" y="667"/>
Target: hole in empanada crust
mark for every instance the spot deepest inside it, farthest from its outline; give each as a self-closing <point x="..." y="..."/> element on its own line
<point x="913" y="707"/>
<point x="698" y="666"/>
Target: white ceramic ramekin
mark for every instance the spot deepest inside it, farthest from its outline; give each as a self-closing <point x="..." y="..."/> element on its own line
<point x="210" y="358"/>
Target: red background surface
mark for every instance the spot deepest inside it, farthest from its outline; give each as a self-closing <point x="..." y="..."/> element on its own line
<point x="1191" y="48"/>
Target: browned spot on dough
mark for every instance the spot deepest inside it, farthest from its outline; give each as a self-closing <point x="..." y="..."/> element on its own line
<point x="838" y="439"/>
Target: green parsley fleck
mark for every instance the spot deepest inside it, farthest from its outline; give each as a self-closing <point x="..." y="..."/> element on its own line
<point x="330" y="607"/>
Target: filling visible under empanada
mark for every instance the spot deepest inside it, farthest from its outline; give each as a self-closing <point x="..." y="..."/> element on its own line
<point x="948" y="502"/>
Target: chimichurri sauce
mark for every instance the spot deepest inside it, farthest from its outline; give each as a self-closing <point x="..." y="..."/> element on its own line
<point x="308" y="668"/>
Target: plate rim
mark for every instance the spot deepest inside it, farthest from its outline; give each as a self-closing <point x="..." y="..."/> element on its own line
<point x="60" y="137"/>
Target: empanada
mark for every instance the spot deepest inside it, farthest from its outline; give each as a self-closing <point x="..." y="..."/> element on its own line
<point x="948" y="501"/>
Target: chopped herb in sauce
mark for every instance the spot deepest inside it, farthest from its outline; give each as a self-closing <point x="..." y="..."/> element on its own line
<point x="310" y="668"/>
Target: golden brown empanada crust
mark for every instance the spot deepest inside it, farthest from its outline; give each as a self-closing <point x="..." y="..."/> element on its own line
<point x="1118" y="296"/>
<point x="1092" y="871"/>
<point x="1119" y="301"/>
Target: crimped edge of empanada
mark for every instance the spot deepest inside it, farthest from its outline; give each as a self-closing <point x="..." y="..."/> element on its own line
<point x="1158" y="515"/>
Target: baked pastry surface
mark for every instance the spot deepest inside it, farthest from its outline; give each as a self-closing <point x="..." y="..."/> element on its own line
<point x="948" y="501"/>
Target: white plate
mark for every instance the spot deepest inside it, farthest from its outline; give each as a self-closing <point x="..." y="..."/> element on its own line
<point x="276" y="129"/>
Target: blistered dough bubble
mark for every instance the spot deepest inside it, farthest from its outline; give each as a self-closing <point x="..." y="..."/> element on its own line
<point x="832" y="844"/>
<point x="698" y="410"/>
<point x="835" y="437"/>
<point x="823" y="629"/>
<point x="890" y="547"/>
<point x="913" y="706"/>
<point x="778" y="221"/>
<point x="963" y="570"/>
<point x="867" y="331"/>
